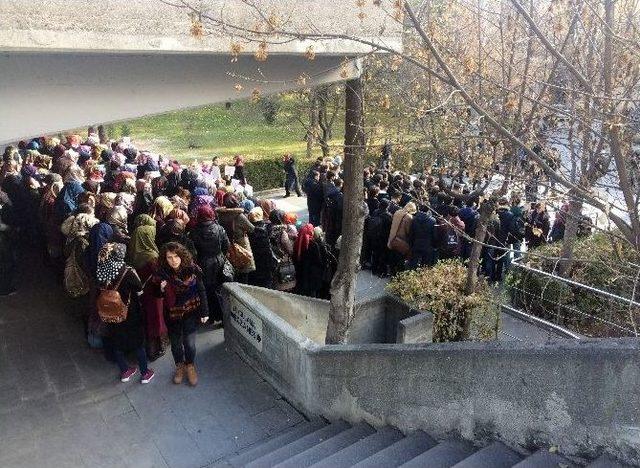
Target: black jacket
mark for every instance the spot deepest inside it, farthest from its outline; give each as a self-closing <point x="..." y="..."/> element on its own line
<point x="422" y="234"/>
<point x="504" y="236"/>
<point x="211" y="244"/>
<point x="263" y="255"/>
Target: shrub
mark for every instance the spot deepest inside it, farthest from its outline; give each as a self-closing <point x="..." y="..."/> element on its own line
<point x="266" y="174"/>
<point x="601" y="262"/>
<point x="440" y="290"/>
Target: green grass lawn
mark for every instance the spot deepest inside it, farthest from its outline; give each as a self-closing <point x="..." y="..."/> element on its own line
<point x="215" y="130"/>
<point x="209" y="130"/>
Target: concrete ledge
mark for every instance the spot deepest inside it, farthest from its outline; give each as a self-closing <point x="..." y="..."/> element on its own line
<point x="582" y="396"/>
<point x="416" y="329"/>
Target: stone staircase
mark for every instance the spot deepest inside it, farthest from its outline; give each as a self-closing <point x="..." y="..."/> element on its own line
<point x="319" y="444"/>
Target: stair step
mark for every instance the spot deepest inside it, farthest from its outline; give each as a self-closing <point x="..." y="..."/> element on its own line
<point x="362" y="449"/>
<point x="444" y="455"/>
<point x="605" y="461"/>
<point x="276" y="442"/>
<point x="544" y="459"/>
<point x="300" y="445"/>
<point x="399" y="452"/>
<point x="328" y="447"/>
<point x="496" y="455"/>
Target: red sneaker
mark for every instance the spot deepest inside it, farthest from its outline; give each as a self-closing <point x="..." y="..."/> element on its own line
<point x="147" y="376"/>
<point x="126" y="375"/>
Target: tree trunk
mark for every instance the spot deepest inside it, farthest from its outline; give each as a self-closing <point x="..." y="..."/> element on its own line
<point x="323" y="120"/>
<point x="486" y="210"/>
<point x="570" y="234"/>
<point x="313" y="123"/>
<point x="102" y="134"/>
<point x="343" y="287"/>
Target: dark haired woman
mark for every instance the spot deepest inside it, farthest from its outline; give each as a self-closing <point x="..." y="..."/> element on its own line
<point x="179" y="281"/>
<point x="128" y="336"/>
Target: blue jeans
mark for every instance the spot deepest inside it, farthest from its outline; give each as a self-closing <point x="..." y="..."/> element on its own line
<point x="141" y="356"/>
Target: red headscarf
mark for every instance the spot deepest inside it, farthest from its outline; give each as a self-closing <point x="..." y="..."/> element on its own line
<point x="303" y="240"/>
<point x="206" y="213"/>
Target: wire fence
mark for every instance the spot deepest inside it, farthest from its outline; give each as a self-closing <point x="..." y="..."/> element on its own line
<point x="588" y="310"/>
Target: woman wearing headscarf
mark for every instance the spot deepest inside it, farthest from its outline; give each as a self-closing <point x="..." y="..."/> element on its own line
<point x="162" y="208"/>
<point x="261" y="248"/>
<point x="143" y="202"/>
<point x="211" y="245"/>
<point x="50" y="218"/>
<point x="237" y="226"/>
<point x="174" y="230"/>
<point x="180" y="282"/>
<point x="282" y="247"/>
<point x="118" y="220"/>
<point x="127" y="336"/>
<point x="267" y="207"/>
<point x="67" y="200"/>
<point x="99" y="235"/>
<point x="200" y="198"/>
<point x="317" y="265"/>
<point x="143" y="255"/>
<point x="76" y="229"/>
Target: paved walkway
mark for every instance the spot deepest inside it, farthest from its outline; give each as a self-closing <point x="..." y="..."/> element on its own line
<point x="62" y="405"/>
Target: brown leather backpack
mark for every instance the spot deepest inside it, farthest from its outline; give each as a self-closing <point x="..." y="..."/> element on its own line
<point x="111" y="307"/>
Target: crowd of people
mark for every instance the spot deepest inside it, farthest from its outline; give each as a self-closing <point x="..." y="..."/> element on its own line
<point x="414" y="220"/>
<point x="145" y="243"/>
<point x="148" y="242"/>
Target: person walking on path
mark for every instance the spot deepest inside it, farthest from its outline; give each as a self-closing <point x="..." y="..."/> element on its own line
<point x="291" y="180"/>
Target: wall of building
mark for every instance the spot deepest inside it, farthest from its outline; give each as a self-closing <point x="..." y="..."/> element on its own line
<point x="582" y="396"/>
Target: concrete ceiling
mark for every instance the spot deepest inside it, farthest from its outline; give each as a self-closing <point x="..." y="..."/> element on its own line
<point x="69" y="63"/>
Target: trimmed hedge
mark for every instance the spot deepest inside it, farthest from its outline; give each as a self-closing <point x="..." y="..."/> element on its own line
<point x="266" y="174"/>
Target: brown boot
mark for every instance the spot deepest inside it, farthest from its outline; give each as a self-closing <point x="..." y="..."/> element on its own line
<point x="179" y="375"/>
<point x="192" y="376"/>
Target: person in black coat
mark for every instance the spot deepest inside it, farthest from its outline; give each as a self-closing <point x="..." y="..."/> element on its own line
<point x="262" y="252"/>
<point x="334" y="202"/>
<point x="378" y="229"/>
<point x="504" y="238"/>
<point x="291" y="180"/>
<point x="313" y="188"/>
<point x="211" y="244"/>
<point x="538" y="226"/>
<point x="317" y="265"/>
<point x="422" y="238"/>
<point x="128" y="336"/>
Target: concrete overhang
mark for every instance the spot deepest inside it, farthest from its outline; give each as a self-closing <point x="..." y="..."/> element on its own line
<point x="66" y="63"/>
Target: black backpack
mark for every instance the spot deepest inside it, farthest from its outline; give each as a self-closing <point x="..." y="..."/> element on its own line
<point x="451" y="242"/>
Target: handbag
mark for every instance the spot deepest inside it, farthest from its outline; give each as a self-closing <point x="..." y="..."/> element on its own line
<point x="398" y="244"/>
<point x="226" y="273"/>
<point x="239" y="257"/>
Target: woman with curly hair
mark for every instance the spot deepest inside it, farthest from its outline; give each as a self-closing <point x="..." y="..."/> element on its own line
<point x="180" y="282"/>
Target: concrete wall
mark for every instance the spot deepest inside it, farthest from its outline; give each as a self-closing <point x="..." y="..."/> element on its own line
<point x="376" y="318"/>
<point x="51" y="92"/>
<point x="583" y="396"/>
